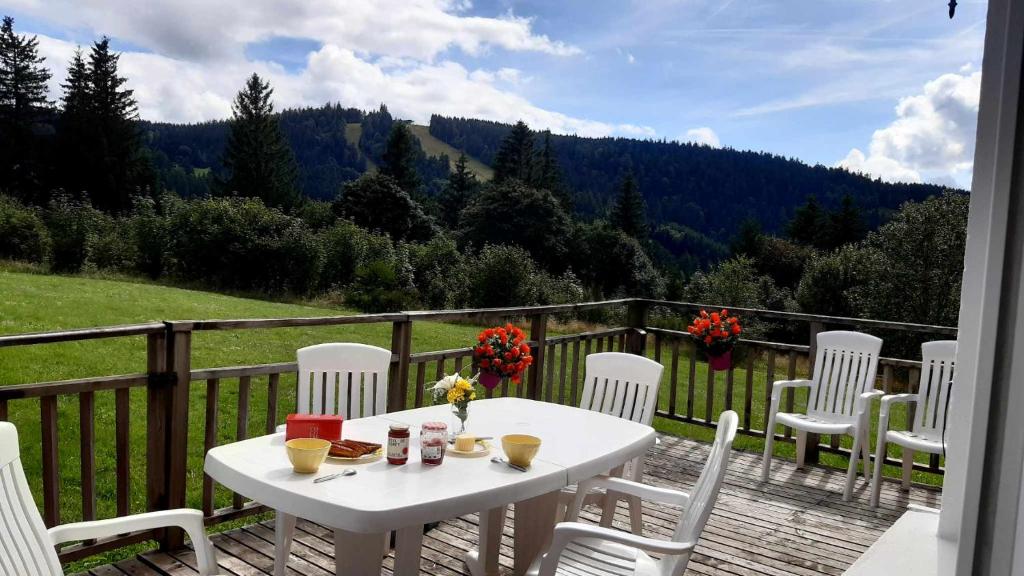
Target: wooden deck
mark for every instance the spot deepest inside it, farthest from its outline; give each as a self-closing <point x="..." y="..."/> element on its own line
<point x="796" y="524"/>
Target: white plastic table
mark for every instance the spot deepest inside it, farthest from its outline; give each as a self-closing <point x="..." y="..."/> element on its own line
<point x="576" y="444"/>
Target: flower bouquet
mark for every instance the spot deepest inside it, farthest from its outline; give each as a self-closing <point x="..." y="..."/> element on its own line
<point x="501" y="352"/>
<point x="716" y="334"/>
<point x="458" y="392"/>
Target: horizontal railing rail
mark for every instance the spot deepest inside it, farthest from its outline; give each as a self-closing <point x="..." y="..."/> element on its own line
<point x="234" y="402"/>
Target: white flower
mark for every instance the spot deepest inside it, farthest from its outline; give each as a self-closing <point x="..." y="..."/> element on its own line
<point x="445" y="384"/>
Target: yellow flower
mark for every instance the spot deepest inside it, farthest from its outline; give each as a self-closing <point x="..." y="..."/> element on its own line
<point x="454" y="395"/>
<point x="472" y="395"/>
<point x="463" y="384"/>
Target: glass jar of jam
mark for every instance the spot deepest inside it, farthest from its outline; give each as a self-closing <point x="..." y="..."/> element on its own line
<point x="398" y="444"/>
<point x="433" y="437"/>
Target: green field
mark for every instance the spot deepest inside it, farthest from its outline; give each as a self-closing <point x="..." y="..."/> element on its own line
<point x="36" y="302"/>
<point x="434" y="147"/>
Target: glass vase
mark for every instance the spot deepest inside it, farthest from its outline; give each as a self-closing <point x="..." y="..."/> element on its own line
<point x="459" y="417"/>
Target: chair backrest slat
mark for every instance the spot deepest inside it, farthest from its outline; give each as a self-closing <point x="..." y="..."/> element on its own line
<point x="938" y="362"/>
<point x="845" y="367"/>
<point x="25" y="547"/>
<point x="343" y="378"/>
<point x="622" y="385"/>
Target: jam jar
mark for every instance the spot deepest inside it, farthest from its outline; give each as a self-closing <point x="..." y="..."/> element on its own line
<point x="433" y="437"/>
<point x="398" y="444"/>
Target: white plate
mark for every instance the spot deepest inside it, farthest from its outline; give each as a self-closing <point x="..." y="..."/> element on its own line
<point x="371" y="457"/>
<point x="479" y="449"/>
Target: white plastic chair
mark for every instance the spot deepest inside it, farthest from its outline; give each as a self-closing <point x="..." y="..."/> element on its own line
<point x="938" y="360"/>
<point x="839" y="399"/>
<point x="337" y="378"/>
<point x="578" y="548"/>
<point x="625" y="386"/>
<point x="27" y="547"/>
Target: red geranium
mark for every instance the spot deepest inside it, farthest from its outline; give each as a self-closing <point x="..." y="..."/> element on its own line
<point x="503" y="352"/>
<point x="715" y="333"/>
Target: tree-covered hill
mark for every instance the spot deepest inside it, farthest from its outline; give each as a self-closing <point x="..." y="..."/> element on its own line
<point x="706" y="189"/>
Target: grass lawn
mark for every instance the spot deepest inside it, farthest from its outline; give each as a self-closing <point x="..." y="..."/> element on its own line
<point x="36" y="302"/>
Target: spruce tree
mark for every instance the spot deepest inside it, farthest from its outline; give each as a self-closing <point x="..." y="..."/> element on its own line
<point x="846" y="225"/>
<point x="23" y="101"/>
<point x="514" y="158"/>
<point x="808" y="223"/>
<point x="629" y="212"/>
<point x="548" y="175"/>
<point x="458" y="191"/>
<point x="23" y="78"/>
<point x="257" y="158"/>
<point x="399" y="160"/>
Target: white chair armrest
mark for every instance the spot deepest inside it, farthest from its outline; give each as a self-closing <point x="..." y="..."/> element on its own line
<point x="864" y="400"/>
<point x="890" y="399"/>
<point x="622" y="486"/>
<point x="189" y="520"/>
<point x="781" y="385"/>
<point x="566" y="532"/>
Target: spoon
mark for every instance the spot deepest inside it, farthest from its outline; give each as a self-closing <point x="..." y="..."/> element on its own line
<point x="499" y="460"/>
<point x="347" y="472"/>
<point x="477" y="439"/>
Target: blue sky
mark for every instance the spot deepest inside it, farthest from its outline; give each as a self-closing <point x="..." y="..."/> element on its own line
<point x="816" y="80"/>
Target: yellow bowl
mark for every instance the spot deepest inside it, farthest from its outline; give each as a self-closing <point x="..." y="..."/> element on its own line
<point x="520" y="448"/>
<point x="307" y="454"/>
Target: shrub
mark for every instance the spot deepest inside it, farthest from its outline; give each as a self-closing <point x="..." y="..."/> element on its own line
<point x="23" y="236"/>
<point x="111" y="245"/>
<point x="73" y="224"/>
<point x="379" y="287"/>
<point x="500" y="275"/>
<point x="438" y="270"/>
<point x="149" y="233"/>
<point x="378" y="203"/>
<point x="829" y="280"/>
<point x="240" y="243"/>
<point x="614" y="263"/>
<point x="347" y="247"/>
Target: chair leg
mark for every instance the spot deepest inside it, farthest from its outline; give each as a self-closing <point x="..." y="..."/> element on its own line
<point x="636" y="511"/>
<point x="769" y="445"/>
<point x="908" y="467"/>
<point x="284" y="530"/>
<point x="801" y="448"/>
<point x="866" y="451"/>
<point x="851" y="472"/>
<point x="876" y="478"/>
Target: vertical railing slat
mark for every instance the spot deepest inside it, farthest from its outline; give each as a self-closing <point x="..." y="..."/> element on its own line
<point x="748" y="391"/>
<point x="210" y="439"/>
<point x="421" y="382"/>
<point x="242" y="425"/>
<point x="87" y="441"/>
<point x="561" y="372"/>
<point x="549" y="380"/>
<point x="769" y="382"/>
<point x="575" y="372"/>
<point x="51" y="461"/>
<point x="691" y="383"/>
<point x="273" y="389"/>
<point x="709" y="396"/>
<point x="122" y="433"/>
<point x="790" y="393"/>
<point x="674" y="377"/>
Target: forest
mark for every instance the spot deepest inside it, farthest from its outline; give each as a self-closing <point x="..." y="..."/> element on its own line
<point x="337" y="203"/>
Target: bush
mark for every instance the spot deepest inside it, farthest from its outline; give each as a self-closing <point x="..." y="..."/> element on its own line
<point x="240" y="243"/>
<point x="347" y="247"/>
<point x="500" y="275"/>
<point x="23" y="236"/>
<point x="111" y="245"/>
<point x="736" y="283"/>
<point x="376" y="202"/>
<point x="150" y="234"/>
<point x="615" y="264"/>
<point x="379" y="287"/>
<point x="829" y="280"/>
<point x="438" y="271"/>
<point x="74" y="228"/>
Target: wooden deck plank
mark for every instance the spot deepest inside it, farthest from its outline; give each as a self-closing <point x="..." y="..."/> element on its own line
<point x="794" y="525"/>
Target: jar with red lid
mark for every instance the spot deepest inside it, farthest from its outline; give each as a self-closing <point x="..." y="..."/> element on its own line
<point x="398" y="444"/>
<point x="433" y="437"/>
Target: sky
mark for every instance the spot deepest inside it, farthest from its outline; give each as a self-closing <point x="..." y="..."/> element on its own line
<point x="884" y="87"/>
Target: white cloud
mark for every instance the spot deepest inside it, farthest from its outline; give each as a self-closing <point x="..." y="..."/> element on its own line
<point x="174" y="90"/>
<point x="702" y="135"/>
<point x="630" y="58"/>
<point x="932" y="138"/>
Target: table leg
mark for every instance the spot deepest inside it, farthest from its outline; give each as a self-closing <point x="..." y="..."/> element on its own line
<point x="534" y="523"/>
<point x="484" y="560"/>
<point x="357" y="554"/>
<point x="284" y="530"/>
<point x="408" y="545"/>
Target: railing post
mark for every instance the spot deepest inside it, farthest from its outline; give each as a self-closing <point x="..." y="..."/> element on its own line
<point x="812" y="454"/>
<point x="401" y="347"/>
<point x="538" y="335"/>
<point x="169" y="366"/>
<point x="636" y="319"/>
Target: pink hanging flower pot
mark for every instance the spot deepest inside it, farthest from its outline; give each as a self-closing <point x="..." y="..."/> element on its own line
<point x="721" y="362"/>
<point x="489" y="381"/>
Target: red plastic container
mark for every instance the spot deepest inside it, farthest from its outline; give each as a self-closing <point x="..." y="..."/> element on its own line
<point x="326" y="427"/>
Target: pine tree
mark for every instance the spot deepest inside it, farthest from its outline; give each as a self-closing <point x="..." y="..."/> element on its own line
<point x="808" y="223"/>
<point x="548" y="175"/>
<point x="75" y="101"/>
<point x="23" y="78"/>
<point x="629" y="212"/>
<point x="846" y="225"/>
<point x="258" y="159"/>
<point x="457" y="193"/>
<point x="399" y="160"/>
<point x="749" y="240"/>
<point x="23" y="101"/>
<point x="514" y="158"/>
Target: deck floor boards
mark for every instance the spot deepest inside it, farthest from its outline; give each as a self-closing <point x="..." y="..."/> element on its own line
<point x="797" y="524"/>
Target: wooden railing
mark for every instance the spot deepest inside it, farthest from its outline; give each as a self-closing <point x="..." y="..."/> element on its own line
<point x="233" y="402"/>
